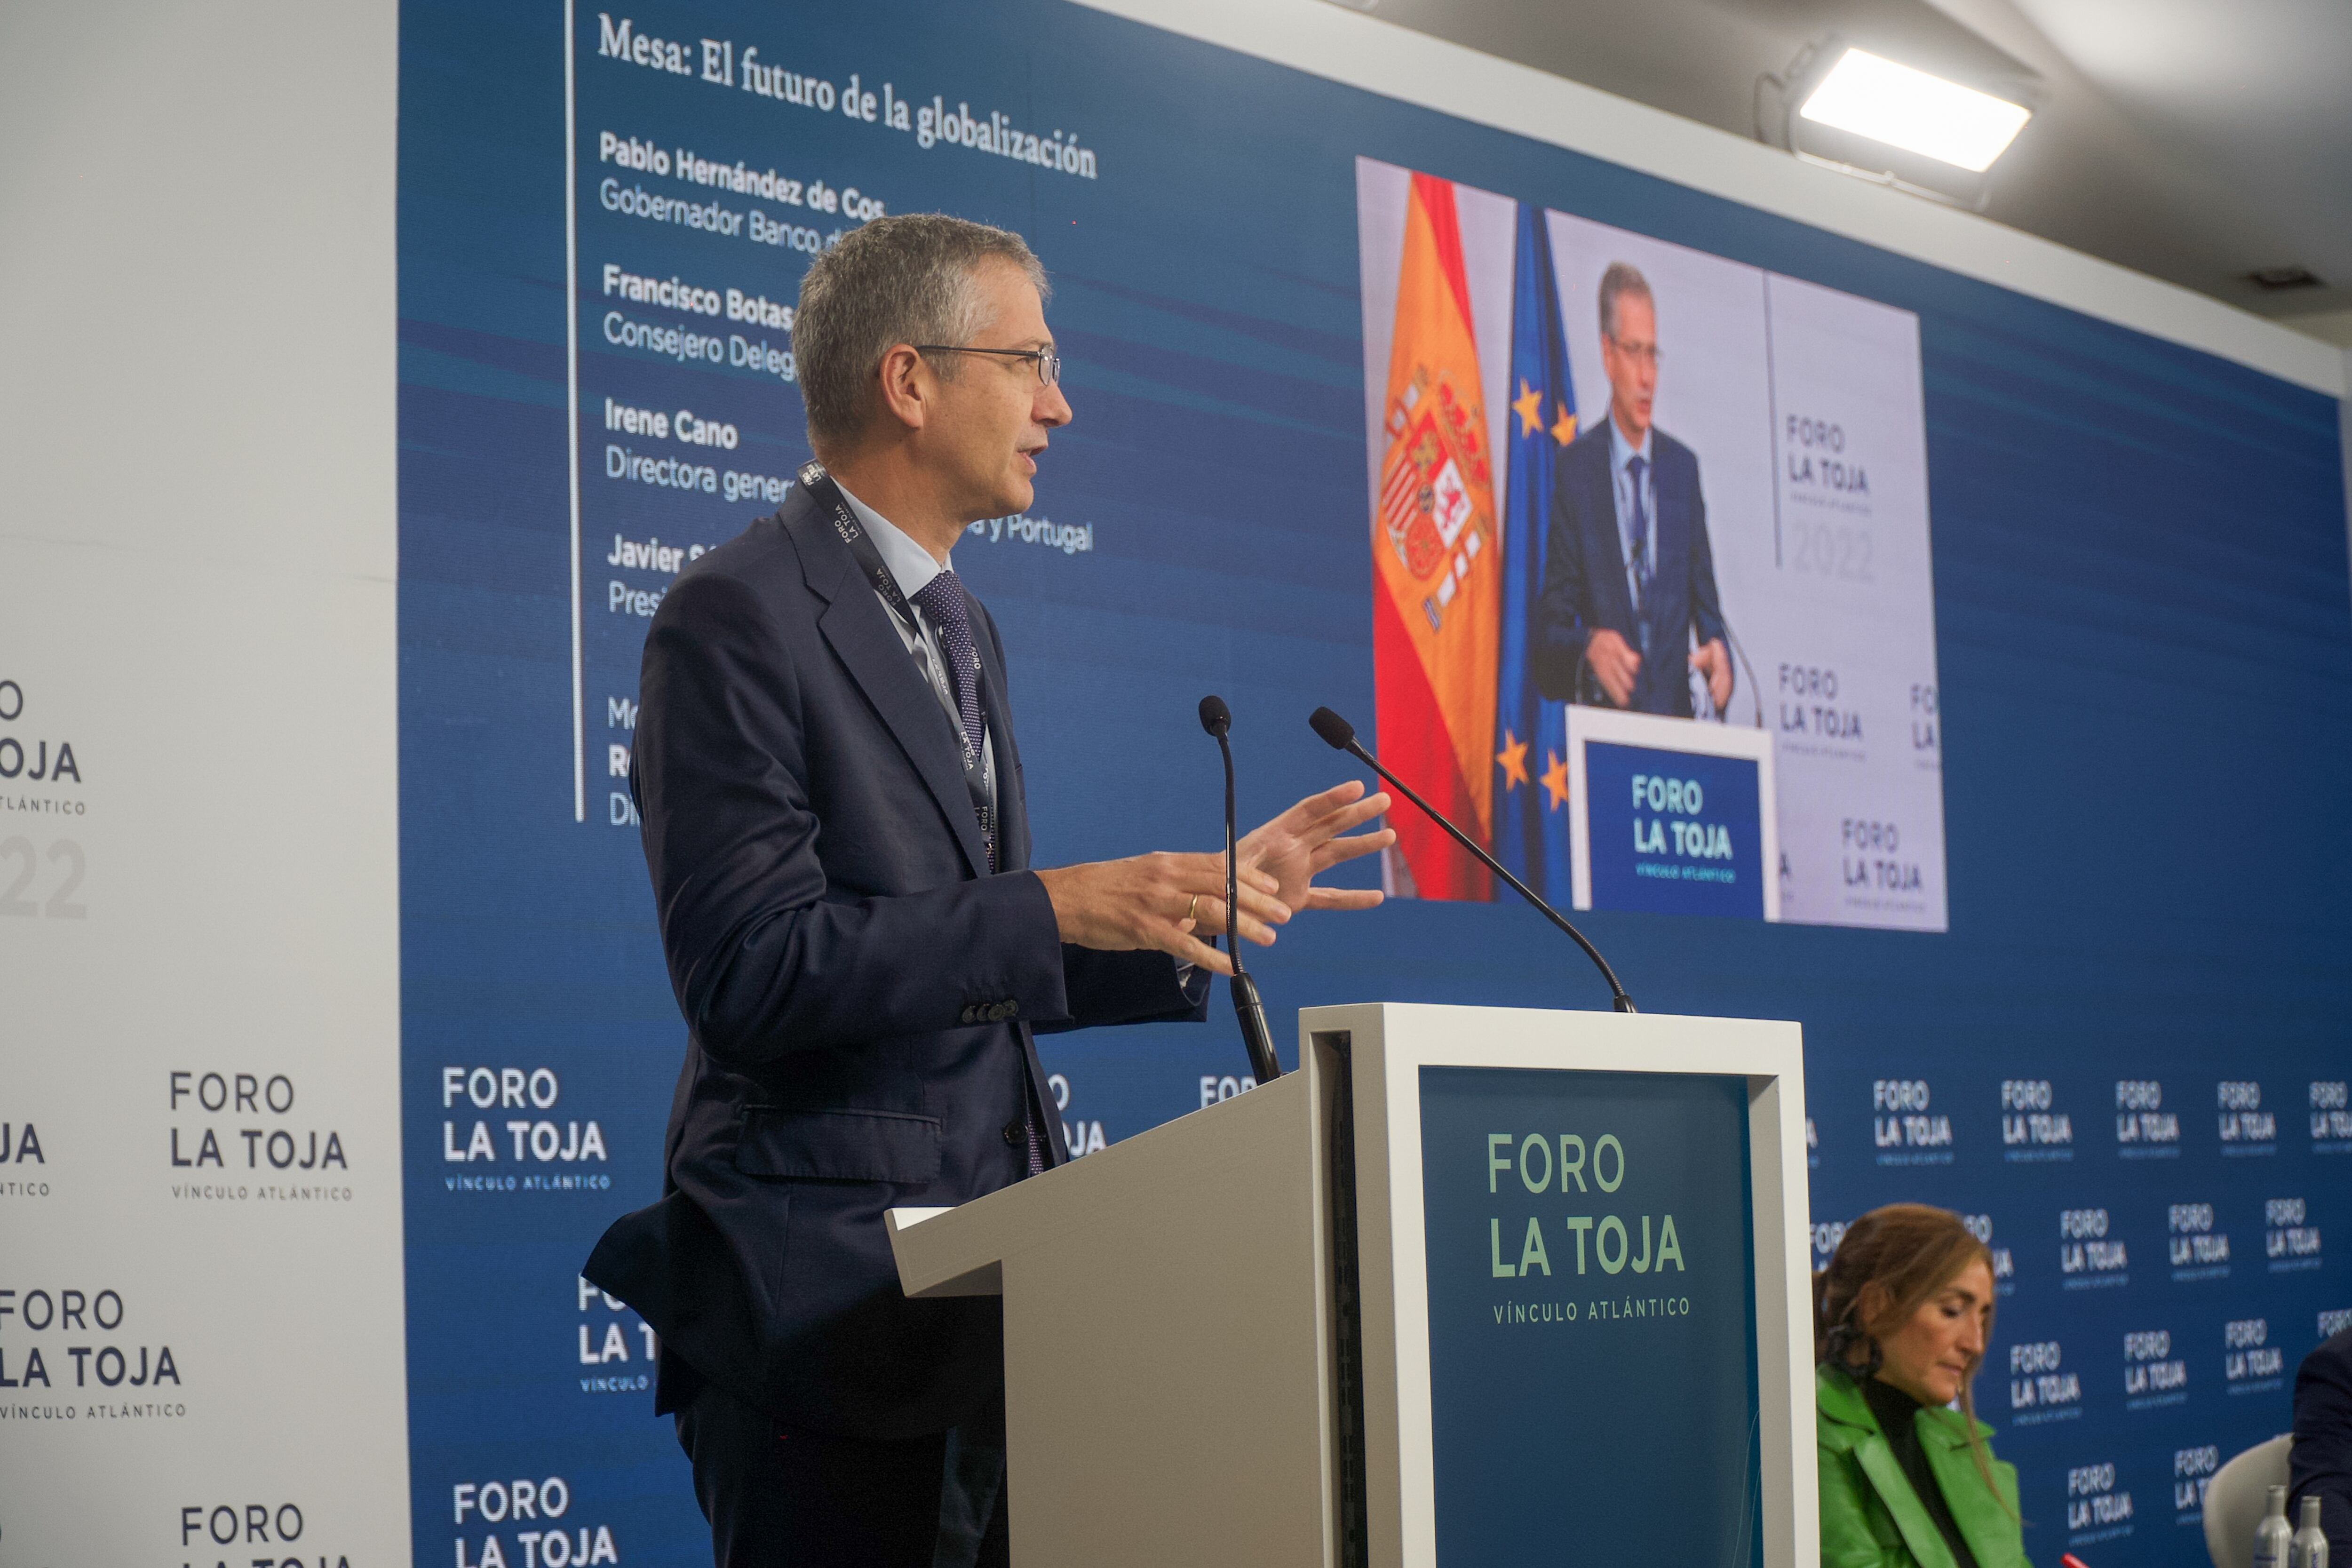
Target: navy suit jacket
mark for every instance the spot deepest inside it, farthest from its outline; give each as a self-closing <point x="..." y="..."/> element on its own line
<point x="1584" y="586"/>
<point x="859" y="991"/>
<point x="2320" y="1462"/>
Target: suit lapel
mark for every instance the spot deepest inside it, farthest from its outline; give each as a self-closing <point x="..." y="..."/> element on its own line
<point x="1974" y="1509"/>
<point x="1901" y="1503"/>
<point x="858" y="629"/>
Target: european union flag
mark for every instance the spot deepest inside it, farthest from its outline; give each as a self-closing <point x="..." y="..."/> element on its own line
<point x="1531" y="780"/>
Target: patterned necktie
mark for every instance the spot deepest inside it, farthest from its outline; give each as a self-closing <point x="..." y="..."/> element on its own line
<point x="1643" y="567"/>
<point x="943" y="599"/>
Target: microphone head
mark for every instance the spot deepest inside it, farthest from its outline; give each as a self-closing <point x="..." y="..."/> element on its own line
<point x="1215" y="717"/>
<point x="1336" y="732"/>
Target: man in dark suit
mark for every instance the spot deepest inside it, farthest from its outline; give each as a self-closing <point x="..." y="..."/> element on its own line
<point x="835" y="822"/>
<point x="1629" y="579"/>
<point x="2320" y="1461"/>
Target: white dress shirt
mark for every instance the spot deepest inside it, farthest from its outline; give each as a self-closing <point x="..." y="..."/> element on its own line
<point x="913" y="567"/>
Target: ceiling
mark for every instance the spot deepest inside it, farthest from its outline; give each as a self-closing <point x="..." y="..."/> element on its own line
<point x="2196" y="140"/>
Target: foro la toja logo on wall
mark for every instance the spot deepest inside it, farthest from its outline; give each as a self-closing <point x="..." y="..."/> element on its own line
<point x="2153" y="1376"/>
<point x="2290" y="1241"/>
<point x="2331" y="1116"/>
<point x="551" y="1541"/>
<point x="1870" y="857"/>
<point x="253" y="1524"/>
<point x="1808" y="697"/>
<point x="2144" y="1128"/>
<point x="611" y="1347"/>
<point x="256" y="1138"/>
<point x="1820" y="469"/>
<point x="530" y="1139"/>
<point x="2088" y="1257"/>
<point x="2192" y="1473"/>
<point x="2195" y="1250"/>
<point x="2095" y="1510"/>
<point x="2250" y="1362"/>
<point x="1905" y="1132"/>
<point x="2040" y="1387"/>
<point x="73" y="1347"/>
<point x="2244" y="1126"/>
<point x="2031" y="1131"/>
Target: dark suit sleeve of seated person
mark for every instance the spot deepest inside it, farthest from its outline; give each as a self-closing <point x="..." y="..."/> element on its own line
<point x="2320" y="1462"/>
<point x="768" y="953"/>
<point x="1563" y="621"/>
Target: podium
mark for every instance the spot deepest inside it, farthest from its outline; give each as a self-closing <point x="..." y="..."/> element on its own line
<point x="1474" y="1286"/>
<point x="1672" y="816"/>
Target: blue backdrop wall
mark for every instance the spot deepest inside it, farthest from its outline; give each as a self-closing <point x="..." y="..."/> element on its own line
<point x="2143" y="619"/>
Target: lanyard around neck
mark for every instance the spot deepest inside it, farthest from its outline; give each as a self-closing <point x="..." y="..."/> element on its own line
<point x="977" y="777"/>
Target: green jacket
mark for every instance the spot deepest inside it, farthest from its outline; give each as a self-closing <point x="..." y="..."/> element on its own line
<point x="1871" y="1517"/>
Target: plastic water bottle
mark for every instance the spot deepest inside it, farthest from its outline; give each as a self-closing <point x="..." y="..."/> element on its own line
<point x="2309" y="1549"/>
<point x="2274" y="1537"/>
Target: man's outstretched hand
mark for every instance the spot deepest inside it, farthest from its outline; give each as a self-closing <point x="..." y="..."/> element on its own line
<point x="1158" y="902"/>
<point x="1171" y="902"/>
<point x="1306" y="841"/>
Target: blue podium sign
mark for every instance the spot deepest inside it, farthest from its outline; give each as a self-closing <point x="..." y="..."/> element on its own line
<point x="1673" y="815"/>
<point x="1592" y="1326"/>
<point x="1674" y="832"/>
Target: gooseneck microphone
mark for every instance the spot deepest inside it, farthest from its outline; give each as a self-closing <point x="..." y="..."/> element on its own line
<point x="1218" y="720"/>
<point x="1340" y="736"/>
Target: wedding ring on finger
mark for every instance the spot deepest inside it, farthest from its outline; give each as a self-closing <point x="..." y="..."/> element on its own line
<point x="1190" y="908"/>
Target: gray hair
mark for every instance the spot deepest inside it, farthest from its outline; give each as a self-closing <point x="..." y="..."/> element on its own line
<point x="1622" y="278"/>
<point x="906" y="279"/>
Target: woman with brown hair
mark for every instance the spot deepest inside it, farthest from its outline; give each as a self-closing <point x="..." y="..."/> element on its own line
<point x="1901" y="1319"/>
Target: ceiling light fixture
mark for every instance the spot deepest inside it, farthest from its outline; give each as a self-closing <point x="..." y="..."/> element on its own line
<point x="1873" y="97"/>
<point x="2272" y="280"/>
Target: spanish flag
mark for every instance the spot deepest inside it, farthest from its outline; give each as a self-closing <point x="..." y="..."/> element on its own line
<point x="1436" y="610"/>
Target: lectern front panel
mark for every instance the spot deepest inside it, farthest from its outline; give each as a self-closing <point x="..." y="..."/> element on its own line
<point x="1593" y="1325"/>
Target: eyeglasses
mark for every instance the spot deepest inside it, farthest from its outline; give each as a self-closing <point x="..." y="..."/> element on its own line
<point x="1640" y="354"/>
<point x="1049" y="362"/>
